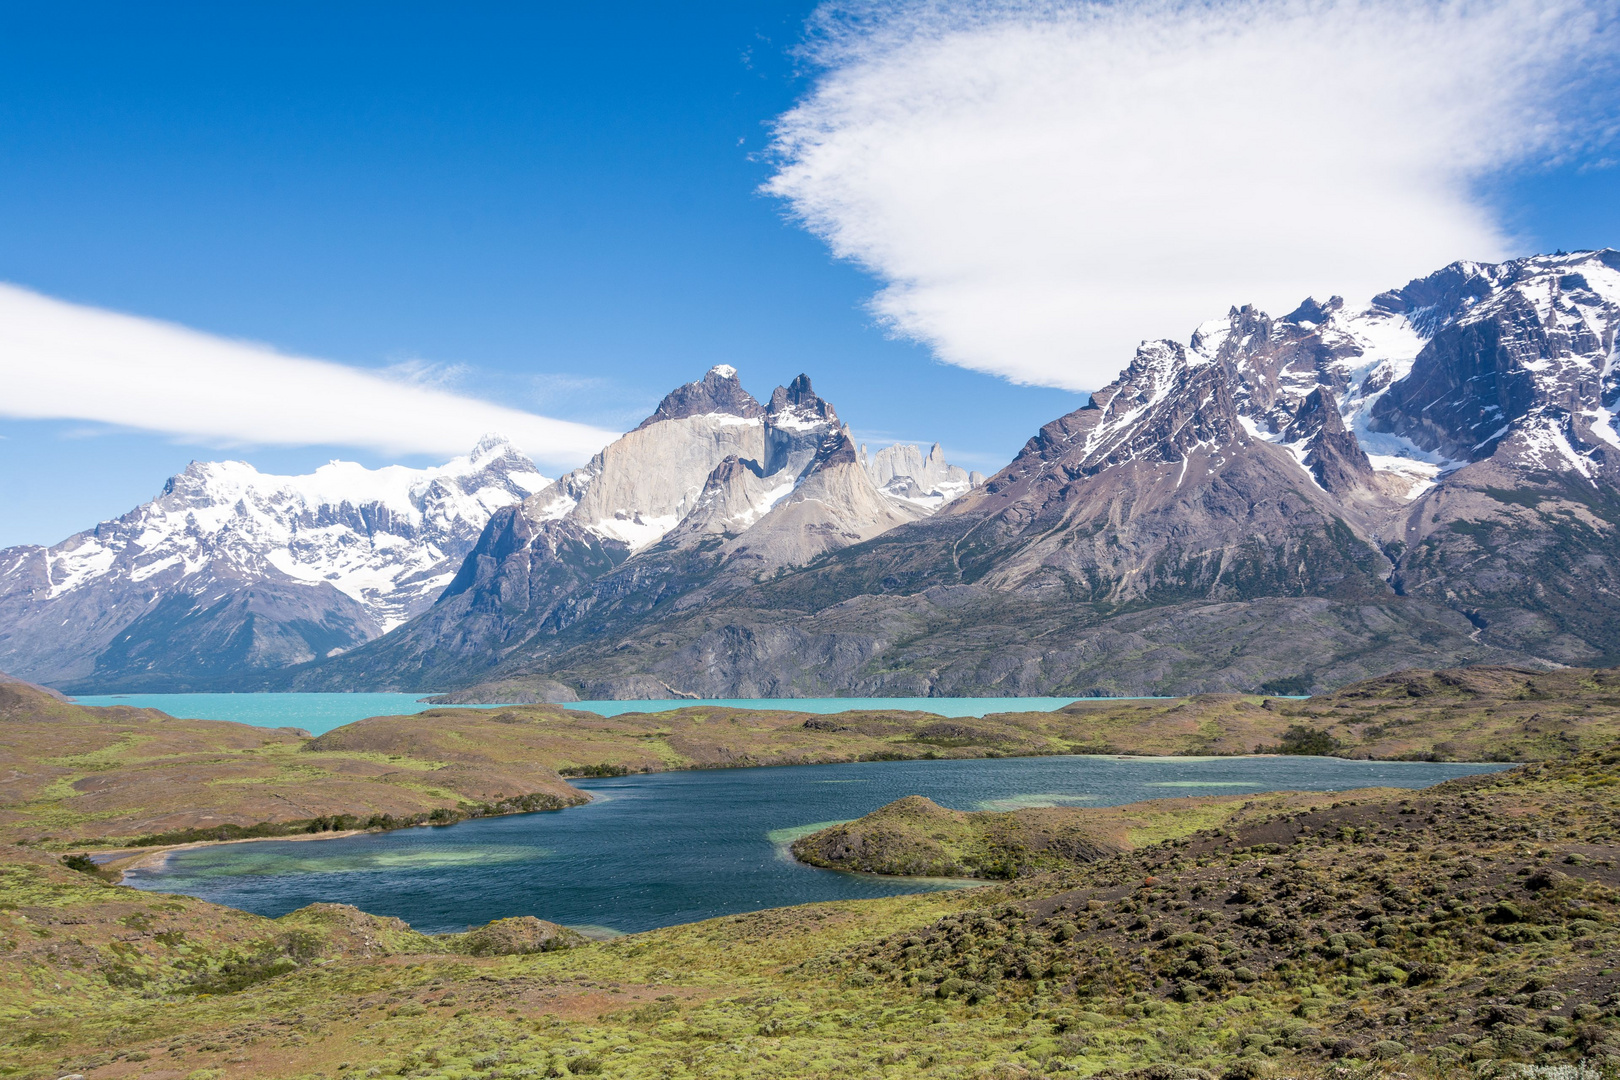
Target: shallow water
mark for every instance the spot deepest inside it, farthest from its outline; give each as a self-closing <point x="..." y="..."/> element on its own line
<point x="319" y="713"/>
<point x="665" y="848"/>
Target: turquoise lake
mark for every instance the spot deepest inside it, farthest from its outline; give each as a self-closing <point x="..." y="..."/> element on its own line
<point x="654" y="850"/>
<point x="318" y="713"/>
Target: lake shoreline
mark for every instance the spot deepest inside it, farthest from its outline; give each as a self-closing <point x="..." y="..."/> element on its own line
<point x="145" y="858"/>
<point x="157" y="855"/>
<point x="149" y="857"/>
<point x="543" y="861"/>
<point x="322" y="712"/>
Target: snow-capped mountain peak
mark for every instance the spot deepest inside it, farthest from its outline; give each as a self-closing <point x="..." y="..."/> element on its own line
<point x="1427" y="378"/>
<point x="378" y="544"/>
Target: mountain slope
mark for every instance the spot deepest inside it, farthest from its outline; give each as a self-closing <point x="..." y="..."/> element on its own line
<point x="230" y="571"/>
<point x="1295" y="502"/>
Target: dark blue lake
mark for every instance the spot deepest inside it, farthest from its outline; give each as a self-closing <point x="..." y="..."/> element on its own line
<point x="675" y="847"/>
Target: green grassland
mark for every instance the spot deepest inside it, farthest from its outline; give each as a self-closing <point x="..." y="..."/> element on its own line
<point x="1458" y="931"/>
<point x="1467" y="930"/>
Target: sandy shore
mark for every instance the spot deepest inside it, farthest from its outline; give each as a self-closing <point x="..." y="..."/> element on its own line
<point x="142" y="858"/>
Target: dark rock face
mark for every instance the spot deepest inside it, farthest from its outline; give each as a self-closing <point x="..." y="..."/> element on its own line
<point x="795" y="424"/>
<point x="797" y="398"/>
<point x="836" y="449"/>
<point x="717" y="392"/>
<point x="1516" y="386"/>
<point x="1468" y="386"/>
<point x="1332" y="453"/>
<point x="522" y="578"/>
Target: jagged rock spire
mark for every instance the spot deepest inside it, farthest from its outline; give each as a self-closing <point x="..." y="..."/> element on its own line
<point x="797" y="401"/>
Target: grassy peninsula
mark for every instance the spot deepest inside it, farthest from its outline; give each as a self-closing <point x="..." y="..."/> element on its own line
<point x="915" y="836"/>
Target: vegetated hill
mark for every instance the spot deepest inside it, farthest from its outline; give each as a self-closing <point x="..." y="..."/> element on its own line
<point x="1462" y="930"/>
<point x="915" y="836"/>
<point x="231" y="572"/>
<point x="1311" y="500"/>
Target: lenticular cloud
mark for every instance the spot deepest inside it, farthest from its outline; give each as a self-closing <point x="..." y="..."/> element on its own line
<point x="61" y="361"/>
<point x="1040" y="186"/>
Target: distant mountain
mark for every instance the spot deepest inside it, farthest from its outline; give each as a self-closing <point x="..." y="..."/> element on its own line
<point x="711" y="493"/>
<point x="1285" y="503"/>
<point x="230" y="571"/>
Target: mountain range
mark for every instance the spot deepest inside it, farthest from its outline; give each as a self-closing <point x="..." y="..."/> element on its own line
<point x="230" y="576"/>
<point x="1279" y="503"/>
<point x="231" y="571"/>
<point x="711" y="494"/>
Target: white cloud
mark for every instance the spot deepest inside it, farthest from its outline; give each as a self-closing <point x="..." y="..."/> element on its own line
<point x="428" y="373"/>
<point x="1042" y="185"/>
<point x="61" y="361"/>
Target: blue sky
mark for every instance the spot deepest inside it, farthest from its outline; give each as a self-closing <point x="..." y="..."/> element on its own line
<point x="554" y="207"/>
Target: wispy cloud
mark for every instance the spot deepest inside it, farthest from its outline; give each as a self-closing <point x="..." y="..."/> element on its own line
<point x="429" y="373"/>
<point x="1040" y="185"/>
<point x="64" y="361"/>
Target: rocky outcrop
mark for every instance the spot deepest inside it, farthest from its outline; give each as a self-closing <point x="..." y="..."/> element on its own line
<point x="230" y="573"/>
<point x="517" y="936"/>
<point x="1330" y="451"/>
